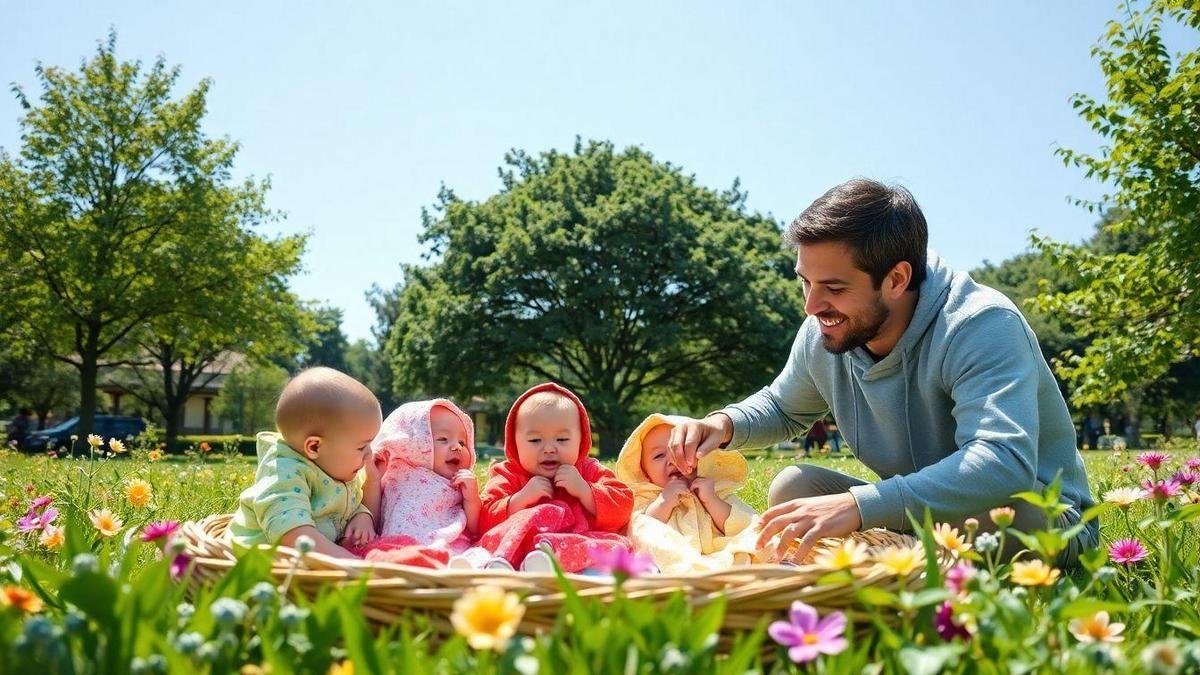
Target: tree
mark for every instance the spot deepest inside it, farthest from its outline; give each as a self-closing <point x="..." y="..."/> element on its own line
<point x="115" y="199"/>
<point x="609" y="272"/>
<point x="1138" y="310"/>
<point x="248" y="397"/>
<point x="325" y="344"/>
<point x="40" y="384"/>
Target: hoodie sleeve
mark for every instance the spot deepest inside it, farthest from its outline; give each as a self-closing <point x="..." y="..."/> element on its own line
<point x="500" y="487"/>
<point x="284" y="500"/>
<point x="991" y="373"/>
<point x="783" y="410"/>
<point x="614" y="499"/>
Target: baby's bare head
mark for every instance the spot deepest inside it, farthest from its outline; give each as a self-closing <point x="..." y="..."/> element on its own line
<point x="322" y="401"/>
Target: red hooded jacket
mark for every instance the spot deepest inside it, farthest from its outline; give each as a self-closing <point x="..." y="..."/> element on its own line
<point x="614" y="499"/>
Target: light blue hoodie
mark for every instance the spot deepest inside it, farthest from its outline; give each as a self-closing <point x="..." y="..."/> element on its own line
<point x="962" y="414"/>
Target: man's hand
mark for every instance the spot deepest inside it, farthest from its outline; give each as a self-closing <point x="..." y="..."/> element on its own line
<point x="537" y="489"/>
<point x="807" y="520"/>
<point x="693" y="439"/>
<point x="359" y="531"/>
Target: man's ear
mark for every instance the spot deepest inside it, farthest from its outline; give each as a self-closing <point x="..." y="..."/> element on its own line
<point x="899" y="279"/>
<point x="312" y="447"/>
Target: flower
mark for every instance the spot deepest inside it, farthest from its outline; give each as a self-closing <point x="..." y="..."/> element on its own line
<point x="1185" y="477"/>
<point x="848" y="553"/>
<point x="1002" y="516"/>
<point x="52" y="537"/>
<point x="1153" y="460"/>
<point x="154" y="455"/>
<point x="305" y="543"/>
<point x="943" y="623"/>
<point x="116" y="446"/>
<point x="987" y="542"/>
<point x="105" y="521"/>
<point x="344" y="668"/>
<point x="138" y="492"/>
<point x="228" y="611"/>
<point x="204" y="446"/>
<point x="1124" y="496"/>
<point x="1127" y="551"/>
<point x="85" y="563"/>
<point x="1193" y="464"/>
<point x="947" y="537"/>
<point x="40" y="503"/>
<point x="487" y="616"/>
<point x="33" y="521"/>
<point x="179" y="565"/>
<point x="1162" y="657"/>
<point x="1096" y="628"/>
<point x="958" y="576"/>
<point x="900" y="560"/>
<point x="620" y="562"/>
<point x="159" y="530"/>
<point x="23" y="599"/>
<point x="94" y="440"/>
<point x="1161" y="490"/>
<point x="1033" y="573"/>
<point x="806" y="637"/>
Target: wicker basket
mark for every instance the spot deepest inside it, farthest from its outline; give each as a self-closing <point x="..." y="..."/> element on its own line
<point x="750" y="591"/>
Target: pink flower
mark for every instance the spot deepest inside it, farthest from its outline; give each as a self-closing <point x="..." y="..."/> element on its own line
<point x="1193" y="463"/>
<point x="1185" y="477"/>
<point x="943" y="623"/>
<point x="160" y="530"/>
<point x="179" y="565"/>
<point x="37" y="521"/>
<point x="620" y="562"/>
<point x="1153" y="459"/>
<point x="40" y="503"/>
<point x="805" y="637"/>
<point x="1127" y="551"/>
<point x="958" y="576"/>
<point x="1161" y="490"/>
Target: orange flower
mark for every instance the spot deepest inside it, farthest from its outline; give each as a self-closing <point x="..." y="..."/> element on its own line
<point x="52" y="537"/>
<point x="154" y="455"/>
<point x="204" y="446"/>
<point x="105" y="521"/>
<point x="22" y="599"/>
<point x="138" y="492"/>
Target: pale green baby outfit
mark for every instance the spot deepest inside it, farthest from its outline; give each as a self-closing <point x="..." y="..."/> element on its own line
<point x="290" y="491"/>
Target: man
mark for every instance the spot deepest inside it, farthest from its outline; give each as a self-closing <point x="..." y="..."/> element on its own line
<point x="937" y="383"/>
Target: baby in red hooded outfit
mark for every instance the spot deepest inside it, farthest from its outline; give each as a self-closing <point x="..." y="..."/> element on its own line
<point x="548" y="497"/>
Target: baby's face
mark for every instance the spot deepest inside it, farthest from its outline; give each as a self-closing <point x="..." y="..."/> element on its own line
<point x="344" y="450"/>
<point x="656" y="461"/>
<point x="547" y="438"/>
<point x="449" y="442"/>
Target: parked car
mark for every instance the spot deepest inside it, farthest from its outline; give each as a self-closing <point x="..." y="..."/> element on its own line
<point x="106" y="426"/>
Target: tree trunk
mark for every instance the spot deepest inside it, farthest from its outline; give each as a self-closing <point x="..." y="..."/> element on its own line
<point x="173" y="414"/>
<point x="88" y="374"/>
<point x="1133" y="418"/>
<point x="609" y="422"/>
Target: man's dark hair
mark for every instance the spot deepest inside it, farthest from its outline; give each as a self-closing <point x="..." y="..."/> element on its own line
<point x="881" y="224"/>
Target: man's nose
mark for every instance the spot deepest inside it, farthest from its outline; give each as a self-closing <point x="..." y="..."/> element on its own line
<point x="814" y="302"/>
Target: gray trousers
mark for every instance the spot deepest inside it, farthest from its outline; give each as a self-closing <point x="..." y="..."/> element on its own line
<point x="810" y="480"/>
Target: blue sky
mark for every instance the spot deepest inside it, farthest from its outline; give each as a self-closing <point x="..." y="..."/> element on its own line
<point x="359" y="112"/>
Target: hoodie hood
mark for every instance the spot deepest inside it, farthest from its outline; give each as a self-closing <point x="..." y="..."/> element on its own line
<point x="406" y="438"/>
<point x="510" y="425"/>
<point x="723" y="466"/>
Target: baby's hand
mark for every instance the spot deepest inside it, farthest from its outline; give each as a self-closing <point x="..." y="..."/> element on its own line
<point x="675" y="487"/>
<point x="467" y="483"/>
<point x="705" y="489"/>
<point x="537" y="489"/>
<point x="568" y="478"/>
<point x="359" y="531"/>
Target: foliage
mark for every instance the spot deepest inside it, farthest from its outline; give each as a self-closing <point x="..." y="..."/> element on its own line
<point x="1138" y="309"/>
<point x="608" y="271"/>
<point x="248" y="396"/>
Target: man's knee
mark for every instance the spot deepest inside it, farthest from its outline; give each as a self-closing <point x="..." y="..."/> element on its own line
<point x="794" y="482"/>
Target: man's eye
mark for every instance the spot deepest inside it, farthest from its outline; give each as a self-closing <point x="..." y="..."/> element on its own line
<point x="837" y="291"/>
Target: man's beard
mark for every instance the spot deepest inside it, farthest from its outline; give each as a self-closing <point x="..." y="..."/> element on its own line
<point x="858" y="332"/>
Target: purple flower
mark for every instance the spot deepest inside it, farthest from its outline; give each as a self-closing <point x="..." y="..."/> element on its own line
<point x="1153" y="459"/>
<point x="619" y="561"/>
<point x="1185" y="477"/>
<point x="1127" y="551"/>
<point x="958" y="576"/>
<point x="37" y="521"/>
<point x="159" y="530"/>
<point x="179" y="565"/>
<point x="40" y="503"/>
<point x="943" y="622"/>
<point x="1161" y="490"/>
<point x="1193" y="463"/>
<point x="806" y="637"/>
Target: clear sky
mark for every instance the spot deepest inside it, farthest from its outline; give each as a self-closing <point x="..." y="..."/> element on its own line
<point x="359" y="111"/>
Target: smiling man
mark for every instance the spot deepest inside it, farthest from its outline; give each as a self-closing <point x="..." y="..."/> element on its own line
<point x="936" y="383"/>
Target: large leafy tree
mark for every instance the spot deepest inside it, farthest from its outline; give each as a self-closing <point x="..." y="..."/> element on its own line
<point x="1137" y="308"/>
<point x="610" y="272"/>
<point x="118" y="211"/>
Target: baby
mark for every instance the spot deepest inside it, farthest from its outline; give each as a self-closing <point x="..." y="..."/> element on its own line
<point x="547" y="497"/>
<point x="308" y="480"/>
<point x="687" y="524"/>
<point x="423" y="489"/>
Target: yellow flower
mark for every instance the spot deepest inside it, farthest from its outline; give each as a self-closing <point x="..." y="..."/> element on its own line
<point x="95" y="441"/>
<point x="24" y="600"/>
<point x="105" y="521"/>
<point x="487" y="616"/>
<point x="154" y="455"/>
<point x="1096" y="628"/>
<point x="848" y="553"/>
<point x="1002" y="516"/>
<point x="52" y="537"/>
<point x="900" y="560"/>
<point x="1033" y="573"/>
<point x="344" y="668"/>
<point x="1124" y="496"/>
<point x="116" y="446"/>
<point x="947" y="537"/>
<point x="138" y="492"/>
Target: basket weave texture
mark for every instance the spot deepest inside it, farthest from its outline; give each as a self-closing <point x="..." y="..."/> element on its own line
<point x="750" y="591"/>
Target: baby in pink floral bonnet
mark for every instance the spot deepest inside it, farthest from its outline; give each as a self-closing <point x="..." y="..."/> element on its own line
<point x="422" y="489"/>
